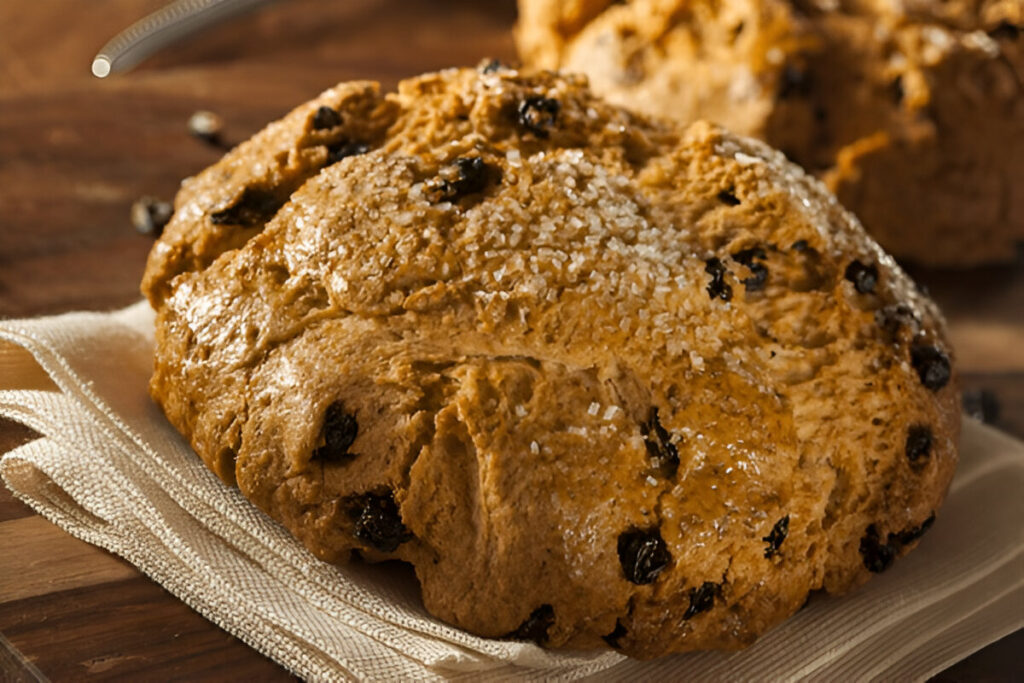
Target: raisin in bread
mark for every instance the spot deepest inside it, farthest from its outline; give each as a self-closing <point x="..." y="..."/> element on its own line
<point x="912" y="111"/>
<point x="603" y="380"/>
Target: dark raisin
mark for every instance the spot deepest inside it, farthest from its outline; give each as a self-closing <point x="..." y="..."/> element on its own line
<point x="378" y="521"/>
<point x="343" y="150"/>
<point x="491" y="66"/>
<point x="472" y="175"/>
<point x="981" y="404"/>
<point x="919" y="443"/>
<point x="326" y="117"/>
<point x="537" y="114"/>
<point x="253" y="207"/>
<point x="643" y="554"/>
<point x="775" y="538"/>
<point x="894" y="316"/>
<point x="864" y="277"/>
<point x="795" y="82"/>
<point x="717" y="288"/>
<point x="896" y="90"/>
<point x="340" y="431"/>
<point x="659" y="445"/>
<point x="747" y="256"/>
<point x="615" y="636"/>
<point x="536" y="626"/>
<point x="932" y="366"/>
<point x="758" y="271"/>
<point x="206" y="126"/>
<point x="1005" y="31"/>
<point x="728" y="198"/>
<point x="908" y="536"/>
<point x="701" y="599"/>
<point x="877" y="556"/>
<point x="149" y="215"/>
<point x="755" y="283"/>
<point x="799" y="245"/>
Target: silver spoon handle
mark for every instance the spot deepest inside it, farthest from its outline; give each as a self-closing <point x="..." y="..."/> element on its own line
<point x="162" y="28"/>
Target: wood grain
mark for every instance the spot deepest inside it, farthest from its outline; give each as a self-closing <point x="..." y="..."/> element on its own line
<point x="129" y="629"/>
<point x="39" y="558"/>
<point x="75" y="152"/>
<point x="14" y="667"/>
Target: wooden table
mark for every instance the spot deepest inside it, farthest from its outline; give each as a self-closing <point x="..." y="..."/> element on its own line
<point x="75" y="152"/>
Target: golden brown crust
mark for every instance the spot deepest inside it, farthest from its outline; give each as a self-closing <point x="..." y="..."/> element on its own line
<point x="599" y="378"/>
<point x="912" y="112"/>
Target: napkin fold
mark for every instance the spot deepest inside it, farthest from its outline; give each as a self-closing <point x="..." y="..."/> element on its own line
<point x="109" y="469"/>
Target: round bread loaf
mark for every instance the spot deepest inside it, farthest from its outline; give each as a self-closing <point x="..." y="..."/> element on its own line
<point x="601" y="379"/>
<point x="911" y="111"/>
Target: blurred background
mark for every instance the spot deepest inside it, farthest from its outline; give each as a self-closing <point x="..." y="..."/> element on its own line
<point x="77" y="151"/>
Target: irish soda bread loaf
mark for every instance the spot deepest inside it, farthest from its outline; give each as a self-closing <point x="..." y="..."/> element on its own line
<point x="599" y="378"/>
<point x="911" y="110"/>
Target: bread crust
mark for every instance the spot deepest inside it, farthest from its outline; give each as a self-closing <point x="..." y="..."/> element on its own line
<point x="601" y="379"/>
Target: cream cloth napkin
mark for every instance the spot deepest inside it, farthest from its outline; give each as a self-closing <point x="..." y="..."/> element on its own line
<point x="110" y="470"/>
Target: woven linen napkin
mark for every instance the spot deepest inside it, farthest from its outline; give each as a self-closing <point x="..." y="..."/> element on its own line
<point x="110" y="470"/>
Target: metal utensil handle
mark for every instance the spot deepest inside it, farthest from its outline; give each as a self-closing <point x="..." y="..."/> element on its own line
<point x="161" y="28"/>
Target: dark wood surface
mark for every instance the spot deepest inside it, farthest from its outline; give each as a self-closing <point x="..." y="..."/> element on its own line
<point x="75" y="152"/>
